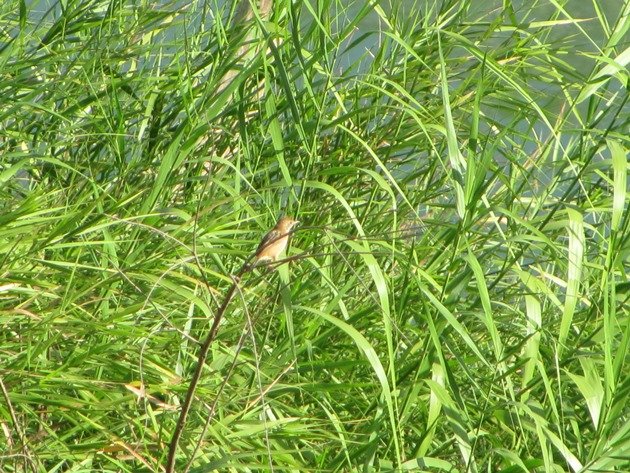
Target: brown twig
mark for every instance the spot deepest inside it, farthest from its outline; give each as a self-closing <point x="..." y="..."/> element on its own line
<point x="16" y="426"/>
<point x="212" y="408"/>
<point x="201" y="362"/>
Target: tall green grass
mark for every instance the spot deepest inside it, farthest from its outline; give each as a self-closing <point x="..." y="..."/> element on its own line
<point x="457" y="297"/>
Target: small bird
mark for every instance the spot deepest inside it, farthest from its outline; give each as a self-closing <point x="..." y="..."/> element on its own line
<point x="274" y="242"/>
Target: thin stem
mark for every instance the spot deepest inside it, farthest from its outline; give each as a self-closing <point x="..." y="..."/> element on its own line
<point x="194" y="381"/>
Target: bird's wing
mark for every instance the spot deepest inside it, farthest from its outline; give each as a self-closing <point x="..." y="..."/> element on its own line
<point x="269" y="238"/>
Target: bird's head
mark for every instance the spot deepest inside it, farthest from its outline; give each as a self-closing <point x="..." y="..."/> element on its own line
<point x="286" y="224"/>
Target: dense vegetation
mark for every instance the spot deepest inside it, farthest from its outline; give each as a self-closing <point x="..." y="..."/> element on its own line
<point x="457" y="296"/>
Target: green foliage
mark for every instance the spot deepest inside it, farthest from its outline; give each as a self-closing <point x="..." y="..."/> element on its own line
<point x="457" y="296"/>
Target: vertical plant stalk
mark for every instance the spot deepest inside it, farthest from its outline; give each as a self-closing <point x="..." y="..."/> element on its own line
<point x="244" y="21"/>
<point x="201" y="362"/>
<point x="203" y="354"/>
<point x="16" y="425"/>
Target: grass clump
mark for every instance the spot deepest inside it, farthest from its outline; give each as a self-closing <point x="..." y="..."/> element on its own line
<point x="456" y="298"/>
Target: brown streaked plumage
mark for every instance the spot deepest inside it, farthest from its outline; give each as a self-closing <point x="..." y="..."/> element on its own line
<point x="274" y="242"/>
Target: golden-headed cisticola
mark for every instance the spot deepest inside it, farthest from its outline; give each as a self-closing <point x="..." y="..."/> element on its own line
<point x="274" y="242"/>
